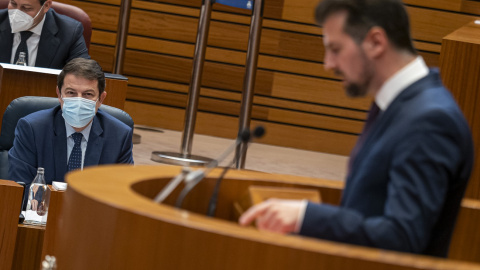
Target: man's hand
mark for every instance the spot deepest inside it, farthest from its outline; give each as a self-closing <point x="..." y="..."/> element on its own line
<point x="274" y="215"/>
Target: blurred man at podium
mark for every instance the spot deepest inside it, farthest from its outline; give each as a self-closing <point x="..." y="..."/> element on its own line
<point x="72" y="135"/>
<point x="410" y="166"/>
<point x="47" y="38"/>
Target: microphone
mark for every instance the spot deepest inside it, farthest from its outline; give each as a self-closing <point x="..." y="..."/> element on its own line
<point x="258" y="132"/>
<point x="190" y="176"/>
<point x="195" y="176"/>
<point x="21" y="217"/>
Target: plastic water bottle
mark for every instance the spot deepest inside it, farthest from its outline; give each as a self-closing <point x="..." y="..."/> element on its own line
<point x="38" y="199"/>
<point x="21" y="59"/>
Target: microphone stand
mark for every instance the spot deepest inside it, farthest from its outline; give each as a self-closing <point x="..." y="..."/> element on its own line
<point x="192" y="178"/>
<point x="212" y="205"/>
<point x="197" y="176"/>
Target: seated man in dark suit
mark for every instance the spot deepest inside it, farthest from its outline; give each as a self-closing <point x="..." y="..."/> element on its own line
<point x="410" y="167"/>
<point x="47" y="38"/>
<point x="73" y="135"/>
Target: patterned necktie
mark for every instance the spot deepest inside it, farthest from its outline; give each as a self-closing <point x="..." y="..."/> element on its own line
<point x="75" y="160"/>
<point x="372" y="116"/>
<point x="22" y="47"/>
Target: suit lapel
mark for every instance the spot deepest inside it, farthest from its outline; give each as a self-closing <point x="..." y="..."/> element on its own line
<point x="48" y="42"/>
<point x="383" y="122"/>
<point x="95" y="144"/>
<point x="59" y="146"/>
<point x="6" y="40"/>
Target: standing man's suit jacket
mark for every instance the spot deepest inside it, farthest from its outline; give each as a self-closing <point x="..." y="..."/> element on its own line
<point x="406" y="183"/>
<point x="41" y="141"/>
<point x="61" y="40"/>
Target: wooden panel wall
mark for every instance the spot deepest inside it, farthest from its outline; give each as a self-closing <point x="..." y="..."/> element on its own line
<point x="301" y="105"/>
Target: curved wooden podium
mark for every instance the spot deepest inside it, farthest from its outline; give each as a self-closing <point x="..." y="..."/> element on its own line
<point x="109" y="221"/>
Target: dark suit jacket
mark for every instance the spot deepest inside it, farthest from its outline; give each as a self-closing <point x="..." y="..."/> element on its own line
<point x="41" y="141"/>
<point x="404" y="190"/>
<point x="61" y="40"/>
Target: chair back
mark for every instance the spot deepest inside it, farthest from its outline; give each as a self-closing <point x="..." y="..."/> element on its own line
<point x="71" y="11"/>
<point x="24" y="106"/>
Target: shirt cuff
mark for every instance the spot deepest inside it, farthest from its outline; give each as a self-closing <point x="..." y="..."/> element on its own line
<point x="301" y="215"/>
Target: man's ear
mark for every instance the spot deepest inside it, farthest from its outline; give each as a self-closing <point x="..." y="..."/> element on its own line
<point x="102" y="97"/>
<point x="375" y="42"/>
<point x="58" y="93"/>
<point x="47" y="5"/>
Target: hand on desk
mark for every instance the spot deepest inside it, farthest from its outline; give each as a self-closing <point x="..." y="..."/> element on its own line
<point x="274" y="215"/>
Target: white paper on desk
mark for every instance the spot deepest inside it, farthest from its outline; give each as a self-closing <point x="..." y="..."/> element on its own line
<point x="59" y="185"/>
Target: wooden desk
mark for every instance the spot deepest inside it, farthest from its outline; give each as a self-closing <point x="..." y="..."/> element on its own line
<point x="34" y="242"/>
<point x="109" y="217"/>
<point x="10" y="204"/>
<point x="17" y="81"/>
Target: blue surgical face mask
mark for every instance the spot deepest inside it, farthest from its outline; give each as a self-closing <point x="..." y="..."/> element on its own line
<point x="77" y="111"/>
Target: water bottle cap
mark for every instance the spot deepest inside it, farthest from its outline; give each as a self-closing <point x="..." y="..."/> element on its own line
<point x="40" y="170"/>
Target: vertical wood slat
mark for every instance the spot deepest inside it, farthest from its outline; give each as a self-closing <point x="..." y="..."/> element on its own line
<point x="460" y="70"/>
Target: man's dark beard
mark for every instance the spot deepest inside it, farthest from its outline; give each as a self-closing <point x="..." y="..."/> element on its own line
<point x="356" y="90"/>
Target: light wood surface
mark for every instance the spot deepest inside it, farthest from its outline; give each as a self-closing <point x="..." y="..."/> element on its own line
<point x="17" y="82"/>
<point x="10" y="204"/>
<point x="109" y="216"/>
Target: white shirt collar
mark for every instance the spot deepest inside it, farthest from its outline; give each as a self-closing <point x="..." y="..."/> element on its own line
<point x="38" y="29"/>
<point x="85" y="132"/>
<point x="414" y="71"/>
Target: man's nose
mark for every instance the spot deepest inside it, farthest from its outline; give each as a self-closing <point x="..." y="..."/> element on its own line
<point x="328" y="62"/>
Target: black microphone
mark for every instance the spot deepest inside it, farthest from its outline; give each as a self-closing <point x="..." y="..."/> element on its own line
<point x="258" y="132"/>
<point x="193" y="177"/>
<point x="21" y="218"/>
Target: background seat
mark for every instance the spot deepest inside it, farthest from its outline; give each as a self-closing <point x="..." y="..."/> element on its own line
<point x="70" y="11"/>
<point x="24" y="106"/>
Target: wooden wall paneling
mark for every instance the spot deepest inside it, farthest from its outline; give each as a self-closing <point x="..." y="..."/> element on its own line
<point x="453" y="5"/>
<point x="227" y="126"/>
<point x="267" y="101"/>
<point x="270" y="62"/>
<point x="103" y="14"/>
<point x="471" y="6"/>
<point x="291" y="74"/>
<point x="104" y="37"/>
<point x="229" y="77"/>
<point x="261" y="113"/>
<point x="432" y="25"/>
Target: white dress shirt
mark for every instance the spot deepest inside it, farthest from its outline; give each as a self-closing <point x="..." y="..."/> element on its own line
<point x="32" y="43"/>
